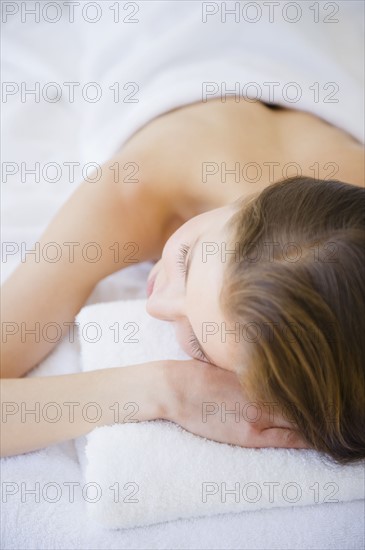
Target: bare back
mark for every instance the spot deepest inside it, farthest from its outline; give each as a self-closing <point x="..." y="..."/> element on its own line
<point x="216" y="151"/>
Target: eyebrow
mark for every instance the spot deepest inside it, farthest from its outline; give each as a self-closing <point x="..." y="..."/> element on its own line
<point x="188" y="265"/>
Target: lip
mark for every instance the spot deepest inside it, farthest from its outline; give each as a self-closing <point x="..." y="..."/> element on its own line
<point x="151" y="284"/>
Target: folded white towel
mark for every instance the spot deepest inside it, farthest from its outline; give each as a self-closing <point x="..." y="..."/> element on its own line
<point x="151" y="472"/>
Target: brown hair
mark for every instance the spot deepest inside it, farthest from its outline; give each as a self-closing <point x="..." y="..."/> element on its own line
<point x="300" y="278"/>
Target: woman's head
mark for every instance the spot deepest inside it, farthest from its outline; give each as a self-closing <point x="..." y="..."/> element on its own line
<point x="275" y="292"/>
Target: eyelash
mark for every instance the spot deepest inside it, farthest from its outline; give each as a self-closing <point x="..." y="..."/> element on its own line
<point x="193" y="342"/>
<point x="195" y="347"/>
<point x="181" y="258"/>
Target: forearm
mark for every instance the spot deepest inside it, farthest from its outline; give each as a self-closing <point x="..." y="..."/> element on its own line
<point x="37" y="412"/>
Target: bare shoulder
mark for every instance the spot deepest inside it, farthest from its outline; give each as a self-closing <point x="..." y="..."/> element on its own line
<point x="197" y="157"/>
<point x="149" y="195"/>
<point x="178" y="150"/>
<point x="323" y="151"/>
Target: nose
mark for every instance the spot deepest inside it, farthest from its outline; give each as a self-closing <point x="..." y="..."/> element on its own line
<point x="166" y="302"/>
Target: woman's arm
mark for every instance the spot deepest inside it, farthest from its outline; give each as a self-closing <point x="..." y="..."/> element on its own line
<point x="122" y="222"/>
<point x="37" y="412"/>
<point x="204" y="399"/>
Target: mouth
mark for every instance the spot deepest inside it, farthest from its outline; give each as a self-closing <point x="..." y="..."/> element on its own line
<point x="151" y="284"/>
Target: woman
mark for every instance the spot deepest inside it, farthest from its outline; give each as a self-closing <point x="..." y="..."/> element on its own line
<point x="297" y="263"/>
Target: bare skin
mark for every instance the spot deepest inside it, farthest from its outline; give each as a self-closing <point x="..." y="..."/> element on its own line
<point x="172" y="152"/>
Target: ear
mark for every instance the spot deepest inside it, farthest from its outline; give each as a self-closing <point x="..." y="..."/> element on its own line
<point x="284" y="438"/>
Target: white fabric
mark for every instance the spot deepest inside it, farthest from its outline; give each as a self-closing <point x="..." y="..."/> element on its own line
<point x="184" y="52"/>
<point x="58" y="132"/>
<point x="195" y="482"/>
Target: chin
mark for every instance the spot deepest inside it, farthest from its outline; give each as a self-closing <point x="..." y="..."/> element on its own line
<point x="150" y="307"/>
<point x="181" y="340"/>
<point x="153" y="308"/>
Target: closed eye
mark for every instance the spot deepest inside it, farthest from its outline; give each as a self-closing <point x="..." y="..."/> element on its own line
<point x="196" y="348"/>
<point x="181" y="257"/>
<point x="194" y="344"/>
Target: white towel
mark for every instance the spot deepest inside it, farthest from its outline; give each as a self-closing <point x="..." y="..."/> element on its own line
<point x="176" y="53"/>
<point x="163" y="472"/>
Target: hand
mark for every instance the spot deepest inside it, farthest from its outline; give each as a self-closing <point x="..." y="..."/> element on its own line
<point x="210" y="402"/>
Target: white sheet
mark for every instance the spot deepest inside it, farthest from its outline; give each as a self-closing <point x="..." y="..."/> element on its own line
<point x="47" y="132"/>
<point x="195" y="54"/>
